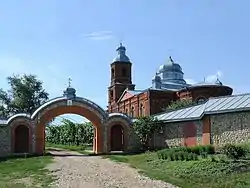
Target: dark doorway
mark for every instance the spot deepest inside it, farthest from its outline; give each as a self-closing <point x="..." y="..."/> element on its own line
<point x="117" y="138"/>
<point x="21" y="144"/>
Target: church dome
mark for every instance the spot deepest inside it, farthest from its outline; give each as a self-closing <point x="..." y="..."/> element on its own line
<point x="121" y="56"/>
<point x="170" y="66"/>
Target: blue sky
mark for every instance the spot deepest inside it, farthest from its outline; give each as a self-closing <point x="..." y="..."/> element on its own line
<point x="56" y="39"/>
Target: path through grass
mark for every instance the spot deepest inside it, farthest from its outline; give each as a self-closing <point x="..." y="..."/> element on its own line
<point x="81" y="149"/>
<point x="25" y="172"/>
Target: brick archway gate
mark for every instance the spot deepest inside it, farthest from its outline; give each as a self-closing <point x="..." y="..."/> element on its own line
<point x="77" y="105"/>
<point x="101" y="120"/>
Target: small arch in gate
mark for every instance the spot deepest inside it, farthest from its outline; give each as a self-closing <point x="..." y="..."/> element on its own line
<point x="21" y="133"/>
<point x="117" y="138"/>
<point x="119" y="126"/>
<point x="21" y="139"/>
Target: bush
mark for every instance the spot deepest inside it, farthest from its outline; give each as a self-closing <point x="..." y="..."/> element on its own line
<point x="199" y="150"/>
<point x="185" y="153"/>
<point x="234" y="152"/>
<point x="175" y="155"/>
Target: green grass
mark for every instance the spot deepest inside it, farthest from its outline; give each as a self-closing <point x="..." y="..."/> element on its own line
<point x="25" y="172"/>
<point x="203" y="173"/>
<point x="81" y="149"/>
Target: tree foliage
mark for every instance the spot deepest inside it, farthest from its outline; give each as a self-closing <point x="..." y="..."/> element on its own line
<point x="26" y="94"/>
<point x="145" y="127"/>
<point x="70" y="133"/>
<point x="174" y="105"/>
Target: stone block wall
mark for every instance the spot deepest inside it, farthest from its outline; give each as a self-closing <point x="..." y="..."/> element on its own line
<point x="173" y="134"/>
<point x="5" y="140"/>
<point x="230" y="128"/>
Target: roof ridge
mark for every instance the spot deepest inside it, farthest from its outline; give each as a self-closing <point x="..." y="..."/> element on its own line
<point x="227" y="96"/>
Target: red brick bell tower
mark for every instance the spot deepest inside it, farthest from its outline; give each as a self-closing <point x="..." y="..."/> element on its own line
<point x="121" y="77"/>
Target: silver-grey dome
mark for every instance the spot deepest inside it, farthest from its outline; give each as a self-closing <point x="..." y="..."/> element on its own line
<point x="121" y="56"/>
<point x="170" y="66"/>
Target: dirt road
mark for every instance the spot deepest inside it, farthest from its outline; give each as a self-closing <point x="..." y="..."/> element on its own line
<point x="75" y="170"/>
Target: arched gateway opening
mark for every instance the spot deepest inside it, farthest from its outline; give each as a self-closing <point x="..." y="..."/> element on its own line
<point x="117" y="138"/>
<point x="111" y="130"/>
<point x="21" y="141"/>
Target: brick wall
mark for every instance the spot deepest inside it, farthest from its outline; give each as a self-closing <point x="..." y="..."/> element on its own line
<point x="179" y="134"/>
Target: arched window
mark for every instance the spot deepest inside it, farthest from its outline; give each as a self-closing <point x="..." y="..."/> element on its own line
<point x="141" y="110"/>
<point x="132" y="112"/>
<point x="126" y="111"/>
<point x="111" y="94"/>
<point x="201" y="100"/>
<point x="124" y="72"/>
<point x="112" y="72"/>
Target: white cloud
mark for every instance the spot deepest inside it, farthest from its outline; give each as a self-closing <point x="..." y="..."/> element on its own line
<point x="99" y="35"/>
<point x="210" y="78"/>
<point x="213" y="77"/>
<point x="190" y="81"/>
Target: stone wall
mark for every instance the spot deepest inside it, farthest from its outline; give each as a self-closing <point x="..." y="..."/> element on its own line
<point x="230" y="128"/>
<point x="173" y="134"/>
<point x="5" y="140"/>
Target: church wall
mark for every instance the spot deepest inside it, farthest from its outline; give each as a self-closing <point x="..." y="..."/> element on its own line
<point x="188" y="133"/>
<point x="159" y="101"/>
<point x="5" y="140"/>
<point x="219" y="129"/>
<point x="139" y="104"/>
<point x="230" y="128"/>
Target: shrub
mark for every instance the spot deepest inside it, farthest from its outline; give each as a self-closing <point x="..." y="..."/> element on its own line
<point x="233" y="151"/>
<point x="199" y="150"/>
<point x="175" y="155"/>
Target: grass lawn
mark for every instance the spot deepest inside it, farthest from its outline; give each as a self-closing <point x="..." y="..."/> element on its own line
<point x="25" y="172"/>
<point x="204" y="173"/>
<point x="80" y="149"/>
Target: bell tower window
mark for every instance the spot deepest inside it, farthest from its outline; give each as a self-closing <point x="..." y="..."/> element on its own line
<point x="112" y="73"/>
<point x="111" y="95"/>
<point x="124" y="72"/>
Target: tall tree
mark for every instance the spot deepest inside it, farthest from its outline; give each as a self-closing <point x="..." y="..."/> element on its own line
<point x="145" y="127"/>
<point x="26" y="94"/>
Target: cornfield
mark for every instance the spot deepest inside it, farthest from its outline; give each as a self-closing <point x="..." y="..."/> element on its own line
<point x="70" y="133"/>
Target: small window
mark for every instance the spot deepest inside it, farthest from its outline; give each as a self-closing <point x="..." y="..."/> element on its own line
<point x="141" y="110"/>
<point x="111" y="94"/>
<point x="112" y="72"/>
<point x="132" y="111"/>
<point x="126" y="111"/>
<point x="201" y="100"/>
<point x="124" y="72"/>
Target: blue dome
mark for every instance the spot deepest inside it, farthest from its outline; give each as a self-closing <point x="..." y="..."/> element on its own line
<point x="170" y="66"/>
<point x="121" y="56"/>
